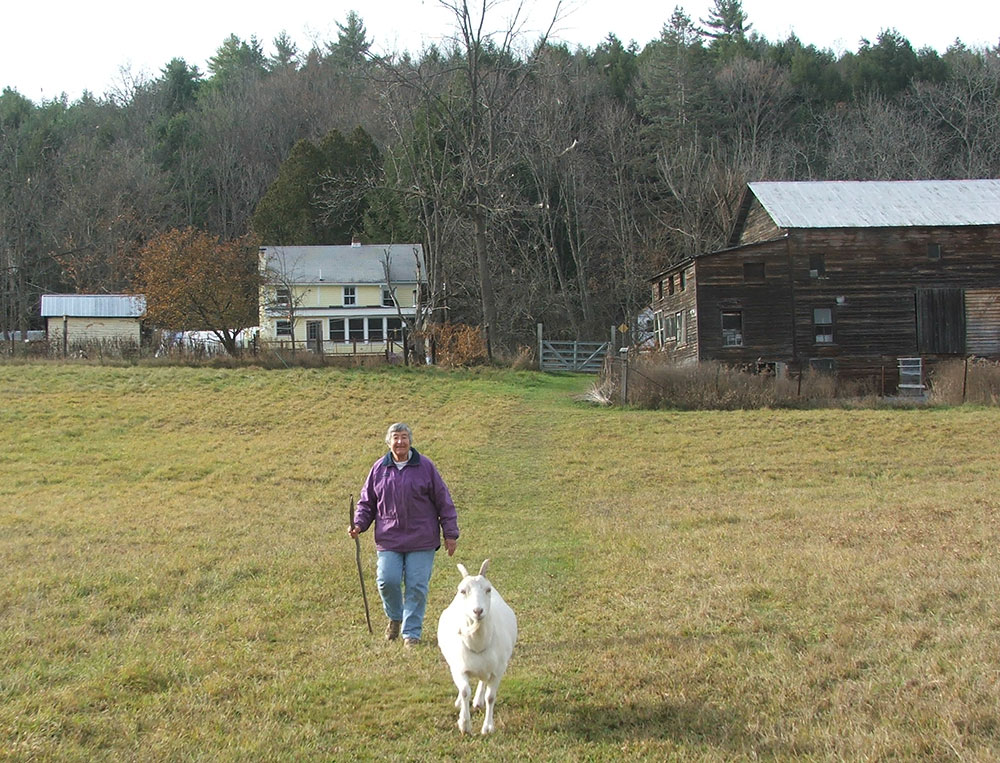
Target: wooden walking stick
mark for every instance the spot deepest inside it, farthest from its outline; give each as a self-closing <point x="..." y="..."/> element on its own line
<point x="357" y="557"/>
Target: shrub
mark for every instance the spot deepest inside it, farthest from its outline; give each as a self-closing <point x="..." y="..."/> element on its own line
<point x="972" y="380"/>
<point x="456" y="344"/>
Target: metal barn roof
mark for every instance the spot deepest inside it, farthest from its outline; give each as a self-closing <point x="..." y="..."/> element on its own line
<point x="93" y="305"/>
<point x="880" y="204"/>
<point x="345" y="264"/>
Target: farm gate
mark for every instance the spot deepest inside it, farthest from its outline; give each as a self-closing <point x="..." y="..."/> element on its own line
<point x="576" y="356"/>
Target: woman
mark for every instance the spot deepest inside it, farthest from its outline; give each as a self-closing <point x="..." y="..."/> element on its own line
<point x="410" y="505"/>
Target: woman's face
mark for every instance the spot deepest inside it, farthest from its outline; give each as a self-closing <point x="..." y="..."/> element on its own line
<point x="399" y="444"/>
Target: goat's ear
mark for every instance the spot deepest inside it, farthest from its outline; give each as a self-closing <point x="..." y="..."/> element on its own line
<point x="465" y="572"/>
<point x="482" y="570"/>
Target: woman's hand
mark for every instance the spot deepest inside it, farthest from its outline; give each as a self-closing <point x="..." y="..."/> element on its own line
<point x="354" y="531"/>
<point x="450" y="545"/>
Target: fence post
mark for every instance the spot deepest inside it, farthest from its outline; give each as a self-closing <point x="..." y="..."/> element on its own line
<point x="539" y="330"/>
<point x="965" y="379"/>
<point x="624" y="357"/>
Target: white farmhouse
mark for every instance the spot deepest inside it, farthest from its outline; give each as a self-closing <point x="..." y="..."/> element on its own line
<point x="355" y="298"/>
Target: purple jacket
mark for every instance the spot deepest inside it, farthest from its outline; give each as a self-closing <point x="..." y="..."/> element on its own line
<point x="410" y="506"/>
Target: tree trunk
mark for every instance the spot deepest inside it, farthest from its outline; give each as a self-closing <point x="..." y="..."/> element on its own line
<point x="485" y="283"/>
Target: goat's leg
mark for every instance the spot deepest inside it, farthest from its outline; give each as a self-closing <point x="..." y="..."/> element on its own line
<point x="491" y="700"/>
<point x="462" y="703"/>
<point x="480" y="693"/>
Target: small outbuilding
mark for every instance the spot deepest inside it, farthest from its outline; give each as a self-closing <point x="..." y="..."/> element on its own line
<point x="73" y="320"/>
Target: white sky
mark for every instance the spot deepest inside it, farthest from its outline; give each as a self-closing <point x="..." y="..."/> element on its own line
<point x="48" y="48"/>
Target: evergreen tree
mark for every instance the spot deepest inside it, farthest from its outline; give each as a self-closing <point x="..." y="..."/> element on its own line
<point x="727" y="27"/>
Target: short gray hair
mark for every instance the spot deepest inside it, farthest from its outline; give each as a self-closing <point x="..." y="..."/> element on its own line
<point x="398" y="427"/>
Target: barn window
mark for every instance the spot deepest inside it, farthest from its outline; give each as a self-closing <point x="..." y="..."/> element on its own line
<point x="659" y="290"/>
<point x="682" y="280"/>
<point x="670" y="285"/>
<point x="732" y="328"/>
<point x="679" y="327"/>
<point x="934" y="252"/>
<point x="658" y="327"/>
<point x="350" y="296"/>
<point x="283" y="328"/>
<point x="753" y="271"/>
<point x="823" y="325"/>
<point x="337" y="330"/>
<point x="817" y="265"/>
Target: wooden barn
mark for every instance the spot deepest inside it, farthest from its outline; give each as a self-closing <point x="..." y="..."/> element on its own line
<point x="857" y="278"/>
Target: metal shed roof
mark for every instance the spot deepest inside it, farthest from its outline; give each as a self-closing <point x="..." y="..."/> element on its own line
<point x="880" y="204"/>
<point x="94" y="305"/>
<point x="345" y="264"/>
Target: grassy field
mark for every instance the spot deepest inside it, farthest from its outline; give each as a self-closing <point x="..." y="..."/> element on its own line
<point x="178" y="584"/>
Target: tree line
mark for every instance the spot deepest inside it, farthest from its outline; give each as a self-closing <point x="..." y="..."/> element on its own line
<point x="547" y="183"/>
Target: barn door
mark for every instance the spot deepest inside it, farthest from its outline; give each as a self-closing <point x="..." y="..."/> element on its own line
<point x="940" y="321"/>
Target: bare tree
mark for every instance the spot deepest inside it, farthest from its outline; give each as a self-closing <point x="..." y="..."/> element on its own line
<point x="468" y="101"/>
<point x="967" y="110"/>
<point x="280" y="296"/>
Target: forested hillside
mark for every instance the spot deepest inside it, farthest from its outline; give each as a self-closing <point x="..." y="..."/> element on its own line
<point x="547" y="183"/>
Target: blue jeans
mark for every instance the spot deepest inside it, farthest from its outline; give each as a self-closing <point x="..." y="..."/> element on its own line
<point x="403" y="579"/>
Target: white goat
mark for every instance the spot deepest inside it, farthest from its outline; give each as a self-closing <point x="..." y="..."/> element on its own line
<point x="476" y="634"/>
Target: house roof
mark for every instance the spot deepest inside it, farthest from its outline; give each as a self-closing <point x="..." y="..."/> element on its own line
<point x="345" y="264"/>
<point x="93" y="305"/>
<point x="880" y="204"/>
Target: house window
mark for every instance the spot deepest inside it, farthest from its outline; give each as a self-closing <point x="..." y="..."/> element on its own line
<point x="283" y="328"/>
<point x="659" y="290"/>
<point x="356" y="329"/>
<point x="387" y="298"/>
<point x="670" y="285"/>
<point x="679" y="327"/>
<point x="394" y="329"/>
<point x="376" y="330"/>
<point x="823" y="325"/>
<point x="732" y="328"/>
<point x="337" y="330"/>
<point x="689" y="327"/>
<point x="658" y="325"/>
<point x="682" y="280"/>
<point x="817" y="265"/>
<point x="753" y="271"/>
<point x="350" y="296"/>
<point x="669" y="327"/>
<point x="934" y="252"/>
<point x="282" y="296"/>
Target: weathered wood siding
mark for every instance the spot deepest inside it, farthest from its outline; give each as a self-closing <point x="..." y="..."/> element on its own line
<point x="758" y="227"/>
<point x="982" y="322"/>
<point x="726" y="284"/>
<point x="683" y="300"/>
<point x="890" y="293"/>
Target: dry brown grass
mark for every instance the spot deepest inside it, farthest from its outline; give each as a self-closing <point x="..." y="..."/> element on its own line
<point x="709" y="585"/>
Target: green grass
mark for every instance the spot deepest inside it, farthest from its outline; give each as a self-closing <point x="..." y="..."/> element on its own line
<point x="177" y="582"/>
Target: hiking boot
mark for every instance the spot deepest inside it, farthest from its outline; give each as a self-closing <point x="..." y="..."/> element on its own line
<point x="392" y="630"/>
<point x="411" y="642"/>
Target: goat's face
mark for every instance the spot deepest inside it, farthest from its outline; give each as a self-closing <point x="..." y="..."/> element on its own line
<point x="475" y="594"/>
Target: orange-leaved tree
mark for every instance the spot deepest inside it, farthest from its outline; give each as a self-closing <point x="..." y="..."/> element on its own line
<point x="194" y="281"/>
